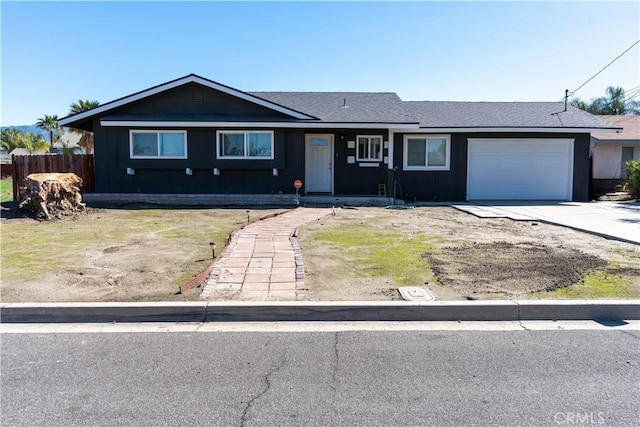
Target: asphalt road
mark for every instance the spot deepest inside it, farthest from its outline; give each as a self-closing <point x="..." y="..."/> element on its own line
<point x="432" y="378"/>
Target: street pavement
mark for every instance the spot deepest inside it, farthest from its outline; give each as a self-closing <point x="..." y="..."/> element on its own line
<point x="616" y="220"/>
<point x="361" y="378"/>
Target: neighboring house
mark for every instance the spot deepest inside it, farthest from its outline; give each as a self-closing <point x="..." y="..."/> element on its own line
<point x="195" y="136"/>
<point x="24" y="152"/>
<point x="611" y="151"/>
<point x="69" y="140"/>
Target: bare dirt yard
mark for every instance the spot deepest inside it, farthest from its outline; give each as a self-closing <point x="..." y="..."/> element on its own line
<point x="128" y="253"/>
<point x="366" y="253"/>
<point x="144" y="253"/>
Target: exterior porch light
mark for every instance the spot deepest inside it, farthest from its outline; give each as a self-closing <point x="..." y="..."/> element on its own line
<point x="213" y="249"/>
<point x="275" y="172"/>
<point x="188" y="171"/>
<point x="131" y="171"/>
<point x="216" y="171"/>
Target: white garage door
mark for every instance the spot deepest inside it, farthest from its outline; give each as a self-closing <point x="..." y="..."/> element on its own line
<point x="520" y="169"/>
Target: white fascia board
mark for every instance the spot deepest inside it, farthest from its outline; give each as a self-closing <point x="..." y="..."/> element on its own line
<point x="180" y="82"/>
<point x="615" y="141"/>
<point x="308" y="125"/>
<point x="519" y="129"/>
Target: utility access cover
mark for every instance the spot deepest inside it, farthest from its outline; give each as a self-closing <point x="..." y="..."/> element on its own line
<point x="415" y="293"/>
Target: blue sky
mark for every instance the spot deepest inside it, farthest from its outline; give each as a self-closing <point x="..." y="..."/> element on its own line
<point x="56" y="53"/>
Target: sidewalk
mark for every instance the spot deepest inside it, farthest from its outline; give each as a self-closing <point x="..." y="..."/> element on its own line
<point x="263" y="260"/>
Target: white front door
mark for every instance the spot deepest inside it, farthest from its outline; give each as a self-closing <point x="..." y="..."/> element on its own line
<point x="318" y="163"/>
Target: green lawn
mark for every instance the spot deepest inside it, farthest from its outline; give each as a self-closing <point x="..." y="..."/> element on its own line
<point x="6" y="190"/>
<point x="372" y="252"/>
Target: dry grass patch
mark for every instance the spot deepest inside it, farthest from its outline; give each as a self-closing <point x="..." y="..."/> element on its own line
<point x="366" y="253"/>
<point x="137" y="253"/>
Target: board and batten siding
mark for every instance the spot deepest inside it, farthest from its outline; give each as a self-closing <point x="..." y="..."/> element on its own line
<point x="353" y="178"/>
<point x="431" y="186"/>
<point x="193" y="99"/>
<point x="451" y="185"/>
<point x="168" y="175"/>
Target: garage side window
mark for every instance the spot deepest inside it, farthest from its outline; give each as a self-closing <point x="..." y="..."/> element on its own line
<point x="427" y="152"/>
<point x="155" y="144"/>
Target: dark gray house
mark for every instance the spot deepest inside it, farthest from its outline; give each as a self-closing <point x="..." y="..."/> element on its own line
<point x="195" y="136"/>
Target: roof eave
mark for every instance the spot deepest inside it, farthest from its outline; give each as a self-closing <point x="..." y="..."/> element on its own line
<point x="537" y="129"/>
<point x="260" y="124"/>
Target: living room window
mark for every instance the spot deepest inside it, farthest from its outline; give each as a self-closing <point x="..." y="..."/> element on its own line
<point x="245" y="144"/>
<point x="427" y="152"/>
<point x="156" y="144"/>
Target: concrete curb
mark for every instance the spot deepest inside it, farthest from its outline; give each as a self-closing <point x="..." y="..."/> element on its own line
<point x="247" y="311"/>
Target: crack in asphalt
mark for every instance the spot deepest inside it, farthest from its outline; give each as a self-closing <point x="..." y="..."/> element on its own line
<point x="630" y="334"/>
<point x="267" y="382"/>
<point x="336" y="362"/>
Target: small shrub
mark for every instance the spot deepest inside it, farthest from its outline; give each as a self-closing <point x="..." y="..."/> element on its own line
<point x="633" y="178"/>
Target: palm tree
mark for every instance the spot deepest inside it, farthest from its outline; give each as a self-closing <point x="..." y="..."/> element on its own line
<point x="49" y="124"/>
<point x="33" y="142"/>
<point x="11" y="139"/>
<point x="86" y="138"/>
<point x="615" y="103"/>
<point x="83" y="105"/>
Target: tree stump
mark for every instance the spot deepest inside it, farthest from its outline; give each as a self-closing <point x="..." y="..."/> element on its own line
<point x="52" y="194"/>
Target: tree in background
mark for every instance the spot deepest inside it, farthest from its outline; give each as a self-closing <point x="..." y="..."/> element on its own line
<point x="86" y="138"/>
<point x="615" y="103"/>
<point x="633" y="178"/>
<point x="10" y="139"/>
<point x="50" y="125"/>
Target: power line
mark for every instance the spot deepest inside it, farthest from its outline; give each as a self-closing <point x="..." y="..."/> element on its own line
<point x="605" y="67"/>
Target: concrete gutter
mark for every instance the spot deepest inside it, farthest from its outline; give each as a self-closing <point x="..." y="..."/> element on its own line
<point x="247" y="311"/>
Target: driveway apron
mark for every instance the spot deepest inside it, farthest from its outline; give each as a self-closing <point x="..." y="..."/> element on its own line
<point x="263" y="260"/>
<point x="613" y="220"/>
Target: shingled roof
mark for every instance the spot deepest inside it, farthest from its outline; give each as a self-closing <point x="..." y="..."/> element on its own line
<point x="345" y="109"/>
<point x="446" y="114"/>
<point x="630" y="125"/>
<point x="352" y="107"/>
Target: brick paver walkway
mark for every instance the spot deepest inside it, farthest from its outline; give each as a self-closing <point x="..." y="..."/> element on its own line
<point x="263" y="260"/>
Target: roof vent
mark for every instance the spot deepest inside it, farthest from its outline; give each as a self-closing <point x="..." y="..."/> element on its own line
<point x="344" y="103"/>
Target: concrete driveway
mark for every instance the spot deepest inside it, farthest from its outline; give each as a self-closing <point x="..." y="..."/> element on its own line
<point x="615" y="220"/>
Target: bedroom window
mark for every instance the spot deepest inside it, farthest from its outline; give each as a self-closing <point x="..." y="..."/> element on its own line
<point x="245" y="144"/>
<point x="156" y="144"/>
<point x="427" y="152"/>
<point x="369" y="148"/>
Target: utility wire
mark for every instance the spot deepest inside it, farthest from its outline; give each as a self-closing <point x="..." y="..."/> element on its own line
<point x="605" y="67"/>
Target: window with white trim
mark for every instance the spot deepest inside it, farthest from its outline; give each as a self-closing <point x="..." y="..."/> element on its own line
<point x="427" y="152"/>
<point x="158" y="144"/>
<point x="369" y="148"/>
<point x="245" y="144"/>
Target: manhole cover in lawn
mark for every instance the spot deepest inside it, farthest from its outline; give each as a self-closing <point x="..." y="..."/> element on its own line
<point x="415" y="293"/>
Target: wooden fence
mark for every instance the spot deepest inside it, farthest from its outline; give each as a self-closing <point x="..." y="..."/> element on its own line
<point x="80" y="164"/>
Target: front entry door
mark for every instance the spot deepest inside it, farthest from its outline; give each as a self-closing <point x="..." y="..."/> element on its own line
<point x="319" y="163"/>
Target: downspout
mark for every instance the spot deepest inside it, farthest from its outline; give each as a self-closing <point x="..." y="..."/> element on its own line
<point x="391" y="193"/>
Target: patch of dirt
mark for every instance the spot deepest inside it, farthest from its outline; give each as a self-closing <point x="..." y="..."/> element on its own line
<point x="138" y="253"/>
<point x="509" y="269"/>
<point x="122" y="253"/>
<point x="473" y="258"/>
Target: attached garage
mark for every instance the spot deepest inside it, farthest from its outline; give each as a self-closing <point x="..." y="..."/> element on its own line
<point x="520" y="169"/>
